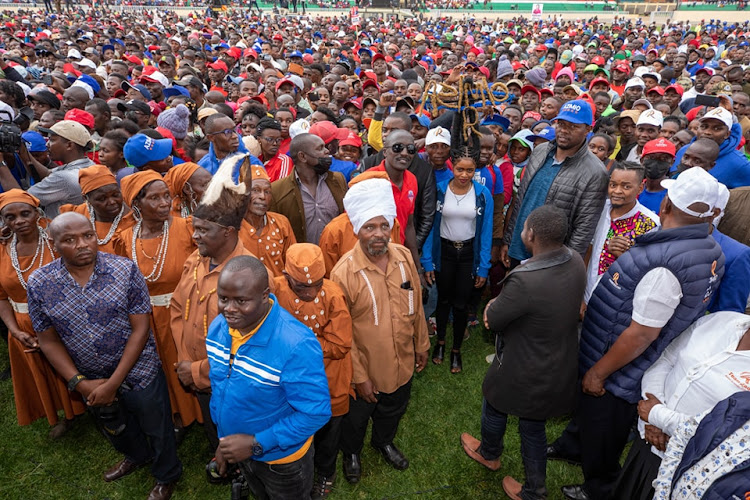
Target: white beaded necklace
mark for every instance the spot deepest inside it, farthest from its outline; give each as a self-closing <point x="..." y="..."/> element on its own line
<point x="161" y="253"/>
<point x="39" y="253"/>
<point x="112" y="229"/>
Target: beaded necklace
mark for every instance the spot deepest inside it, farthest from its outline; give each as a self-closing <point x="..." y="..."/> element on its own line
<point x="42" y="241"/>
<point x="161" y="253"/>
<point x="112" y="229"/>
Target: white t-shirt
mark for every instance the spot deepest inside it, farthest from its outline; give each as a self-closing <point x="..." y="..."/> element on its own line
<point x="600" y="238"/>
<point x="459" y="216"/>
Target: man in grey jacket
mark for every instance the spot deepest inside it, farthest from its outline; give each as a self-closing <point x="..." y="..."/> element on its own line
<point x="563" y="173"/>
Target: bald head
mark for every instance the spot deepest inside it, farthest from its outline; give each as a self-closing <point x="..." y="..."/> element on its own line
<point x="304" y="143"/>
<point x="75" y="98"/>
<point x="398" y="136"/>
<point x="64" y="221"/>
<point x="74" y="239"/>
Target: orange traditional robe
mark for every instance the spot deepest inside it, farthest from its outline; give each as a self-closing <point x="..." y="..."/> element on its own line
<point x="194" y="306"/>
<point x="328" y="317"/>
<point x="37" y="388"/>
<point x="338" y="238"/>
<point x="102" y="228"/>
<point x="271" y="244"/>
<point x="180" y="247"/>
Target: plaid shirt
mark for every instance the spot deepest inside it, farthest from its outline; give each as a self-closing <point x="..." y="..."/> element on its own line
<point x="93" y="322"/>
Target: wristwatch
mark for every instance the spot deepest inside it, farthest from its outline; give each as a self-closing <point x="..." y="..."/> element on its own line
<point x="257" y="448"/>
<point x="73" y="382"/>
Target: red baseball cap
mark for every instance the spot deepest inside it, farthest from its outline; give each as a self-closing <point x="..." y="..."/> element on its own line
<point x="234" y="52"/>
<point x="377" y="56"/>
<point x="219" y="65"/>
<point x="624" y="67"/>
<point x="598" y="60"/>
<point x="351" y="140"/>
<point x="656" y="89"/>
<point x="357" y="103"/>
<point x="600" y="79"/>
<point x="660" y="145"/>
<point x="328" y="131"/>
<point x="83" y="117"/>
<point x="370" y="83"/>
<point x="676" y="87"/>
<point x="530" y="88"/>
<point x="541" y="48"/>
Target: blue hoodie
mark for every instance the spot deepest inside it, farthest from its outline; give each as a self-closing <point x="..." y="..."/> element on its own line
<point x="732" y="167"/>
<point x="482" y="238"/>
<point x="211" y="163"/>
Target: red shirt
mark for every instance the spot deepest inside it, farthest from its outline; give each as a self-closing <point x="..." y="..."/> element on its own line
<point x="278" y="167"/>
<point x="405" y="197"/>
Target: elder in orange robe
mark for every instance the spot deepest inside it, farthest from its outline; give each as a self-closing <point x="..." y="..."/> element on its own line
<point x="266" y="234"/>
<point x="37" y="388"/>
<point x="320" y="304"/>
<point x="187" y="182"/>
<point x="148" y="195"/>
<point x="103" y="195"/>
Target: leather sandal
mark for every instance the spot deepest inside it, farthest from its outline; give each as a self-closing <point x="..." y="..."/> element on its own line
<point x="438" y="354"/>
<point x="456" y="364"/>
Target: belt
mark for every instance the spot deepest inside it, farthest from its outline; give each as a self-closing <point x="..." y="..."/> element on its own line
<point x="458" y="245"/>
<point x="19" y="307"/>
<point x="161" y="300"/>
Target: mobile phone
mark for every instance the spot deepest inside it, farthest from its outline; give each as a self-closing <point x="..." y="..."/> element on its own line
<point x="707" y="100"/>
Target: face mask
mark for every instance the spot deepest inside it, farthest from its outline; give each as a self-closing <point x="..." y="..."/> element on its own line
<point x="323" y="165"/>
<point x="656" y="169"/>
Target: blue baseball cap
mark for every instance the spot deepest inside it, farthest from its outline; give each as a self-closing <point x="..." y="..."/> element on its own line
<point x="498" y="120"/>
<point x="141" y="149"/>
<point x="421" y="118"/>
<point x="35" y="142"/>
<point x="578" y="111"/>
<point x="126" y="85"/>
<point x="296" y="53"/>
<point x="547" y="133"/>
<point x="176" y="90"/>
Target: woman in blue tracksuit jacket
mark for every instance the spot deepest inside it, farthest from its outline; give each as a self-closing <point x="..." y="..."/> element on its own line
<point x="456" y="254"/>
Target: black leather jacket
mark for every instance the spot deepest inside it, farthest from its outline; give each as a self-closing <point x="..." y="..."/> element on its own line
<point x="424" y="210"/>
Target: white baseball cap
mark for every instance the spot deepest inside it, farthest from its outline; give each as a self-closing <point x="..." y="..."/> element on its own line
<point x="722" y="201"/>
<point x="720" y="114"/>
<point x="438" y="135"/>
<point x="635" y="82"/>
<point x="694" y="185"/>
<point x="651" y="117"/>
<point x="301" y="126"/>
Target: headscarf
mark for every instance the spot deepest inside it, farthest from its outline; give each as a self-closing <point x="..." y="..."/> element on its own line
<point x="370" y="198"/>
<point x="132" y="184"/>
<point x="305" y="263"/>
<point x="94" y="177"/>
<point x="17" y="196"/>
<point x="178" y="175"/>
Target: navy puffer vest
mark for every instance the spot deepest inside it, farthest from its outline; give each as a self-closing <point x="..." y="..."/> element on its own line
<point x="726" y="418"/>
<point x="698" y="263"/>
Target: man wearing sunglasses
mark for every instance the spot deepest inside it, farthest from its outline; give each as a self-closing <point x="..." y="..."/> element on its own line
<point x="225" y="141"/>
<point x="398" y="152"/>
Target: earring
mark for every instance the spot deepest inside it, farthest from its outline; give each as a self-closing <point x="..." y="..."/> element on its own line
<point x="136" y="212"/>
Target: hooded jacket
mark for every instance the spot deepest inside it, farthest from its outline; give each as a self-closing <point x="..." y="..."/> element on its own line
<point x="732" y="168"/>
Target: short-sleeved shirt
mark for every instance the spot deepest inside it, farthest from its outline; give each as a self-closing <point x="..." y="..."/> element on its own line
<point x="405" y="197"/>
<point x="93" y="322"/>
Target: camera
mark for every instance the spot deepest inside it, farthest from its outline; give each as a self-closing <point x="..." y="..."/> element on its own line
<point x="10" y="133"/>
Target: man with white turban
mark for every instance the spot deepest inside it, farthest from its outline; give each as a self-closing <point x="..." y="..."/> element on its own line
<point x="389" y="333"/>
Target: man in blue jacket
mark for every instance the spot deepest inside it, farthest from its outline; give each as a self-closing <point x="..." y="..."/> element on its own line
<point x="732" y="168"/>
<point x="269" y="387"/>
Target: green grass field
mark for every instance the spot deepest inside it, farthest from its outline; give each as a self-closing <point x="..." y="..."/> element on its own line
<point x="442" y="407"/>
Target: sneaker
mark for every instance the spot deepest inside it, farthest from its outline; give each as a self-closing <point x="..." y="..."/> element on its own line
<point x="490" y="358"/>
<point x="432" y="330"/>
<point x="322" y="486"/>
<point x="473" y="320"/>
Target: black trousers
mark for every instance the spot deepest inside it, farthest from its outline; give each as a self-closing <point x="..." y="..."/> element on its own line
<point x="386" y="415"/>
<point x="327" y="442"/>
<point x="455" y="285"/>
<point x="603" y="425"/>
<point x="212" y="434"/>
<point x="292" y="481"/>
<point x="639" y="471"/>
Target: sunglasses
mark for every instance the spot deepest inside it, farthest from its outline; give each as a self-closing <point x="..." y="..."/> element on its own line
<point x="398" y="148"/>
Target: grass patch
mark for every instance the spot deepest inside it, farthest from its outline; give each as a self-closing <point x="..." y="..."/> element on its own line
<point x="442" y="407"/>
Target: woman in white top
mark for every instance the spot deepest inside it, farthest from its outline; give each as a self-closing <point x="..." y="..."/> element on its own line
<point x="456" y="254"/>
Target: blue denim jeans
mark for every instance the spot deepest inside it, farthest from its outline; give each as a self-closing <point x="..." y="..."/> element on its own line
<point x="291" y="481"/>
<point x="533" y="448"/>
<point x="149" y="433"/>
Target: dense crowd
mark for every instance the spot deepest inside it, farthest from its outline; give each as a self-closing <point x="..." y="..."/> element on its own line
<point x="267" y="225"/>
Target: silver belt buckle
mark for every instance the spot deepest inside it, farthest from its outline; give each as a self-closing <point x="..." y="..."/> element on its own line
<point x="458" y="245"/>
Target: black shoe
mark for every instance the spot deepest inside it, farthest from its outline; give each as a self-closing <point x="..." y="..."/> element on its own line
<point x="352" y="468"/>
<point x="575" y="492"/>
<point x="322" y="486"/>
<point x="456" y="364"/>
<point x="394" y="457"/>
<point x="553" y="453"/>
<point x="438" y="354"/>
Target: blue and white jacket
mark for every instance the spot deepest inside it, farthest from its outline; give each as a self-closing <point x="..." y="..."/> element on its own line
<point x="482" y="237"/>
<point x="276" y="389"/>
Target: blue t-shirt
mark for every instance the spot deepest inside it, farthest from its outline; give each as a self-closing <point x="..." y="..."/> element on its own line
<point x="652" y="201"/>
<point x="344" y="167"/>
<point x="491" y="178"/>
<point x="444" y="174"/>
<point x="536" y="196"/>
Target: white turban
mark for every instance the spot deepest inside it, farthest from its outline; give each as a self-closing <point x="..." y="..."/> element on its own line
<point x="368" y="199"/>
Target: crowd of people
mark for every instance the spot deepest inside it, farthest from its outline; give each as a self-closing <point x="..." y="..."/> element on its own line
<point x="256" y="225"/>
